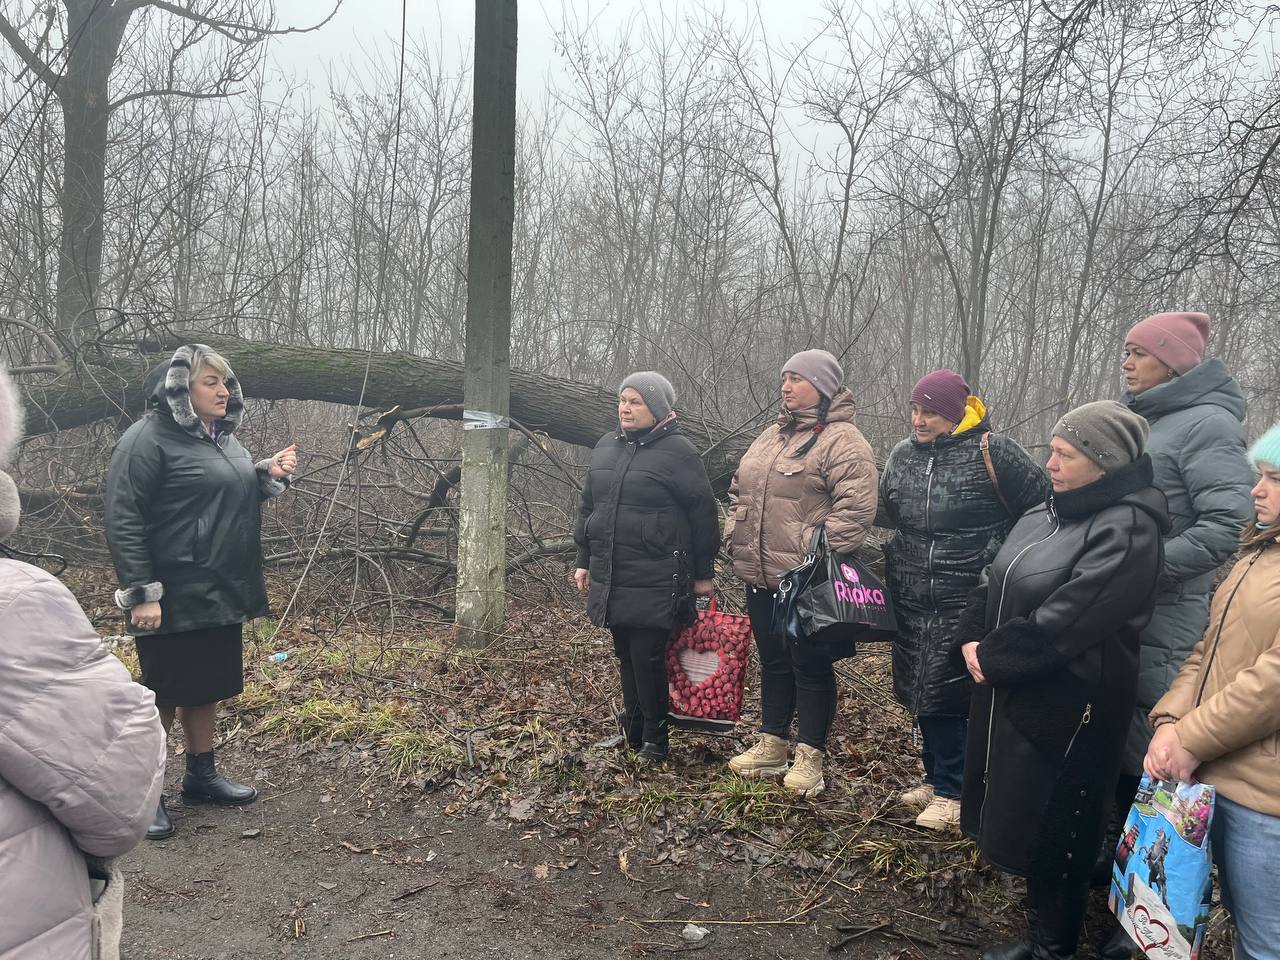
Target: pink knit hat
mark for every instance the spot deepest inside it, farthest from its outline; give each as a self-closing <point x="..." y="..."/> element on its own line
<point x="944" y="392"/>
<point x="1175" y="339"/>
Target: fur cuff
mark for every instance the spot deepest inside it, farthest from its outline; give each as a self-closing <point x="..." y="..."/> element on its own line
<point x="1018" y="651"/>
<point x="268" y="485"/>
<point x="130" y="597"/>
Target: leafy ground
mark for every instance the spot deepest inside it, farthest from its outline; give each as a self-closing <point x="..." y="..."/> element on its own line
<point x="418" y="803"/>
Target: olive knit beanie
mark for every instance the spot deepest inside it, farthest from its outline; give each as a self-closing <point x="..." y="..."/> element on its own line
<point x="1107" y="432"/>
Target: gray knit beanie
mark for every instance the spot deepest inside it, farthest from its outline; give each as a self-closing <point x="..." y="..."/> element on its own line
<point x="1107" y="432"/>
<point x="658" y="393"/>
<point x="10" y="437"/>
<point x="820" y="368"/>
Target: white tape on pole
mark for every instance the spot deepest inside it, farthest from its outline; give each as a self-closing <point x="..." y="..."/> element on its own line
<point x="483" y="420"/>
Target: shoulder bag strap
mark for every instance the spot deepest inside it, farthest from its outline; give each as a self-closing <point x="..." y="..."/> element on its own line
<point x="985" y="445"/>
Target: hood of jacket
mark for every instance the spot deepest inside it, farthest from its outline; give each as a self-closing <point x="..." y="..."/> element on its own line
<point x="1206" y="383"/>
<point x="168" y="391"/>
<point x="842" y="410"/>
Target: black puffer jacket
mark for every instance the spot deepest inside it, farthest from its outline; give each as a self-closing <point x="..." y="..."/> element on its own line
<point x="1058" y="621"/>
<point x="949" y="523"/>
<point x="183" y="510"/>
<point x="647" y="528"/>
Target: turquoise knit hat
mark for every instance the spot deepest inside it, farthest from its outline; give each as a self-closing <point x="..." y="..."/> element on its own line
<point x="1267" y="449"/>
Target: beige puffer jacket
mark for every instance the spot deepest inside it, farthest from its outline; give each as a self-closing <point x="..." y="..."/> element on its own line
<point x="777" y="500"/>
<point x="1226" y="698"/>
<point x="81" y="765"/>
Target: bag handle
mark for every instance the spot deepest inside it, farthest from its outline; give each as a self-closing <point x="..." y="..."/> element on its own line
<point x="985" y="446"/>
<point x="817" y="543"/>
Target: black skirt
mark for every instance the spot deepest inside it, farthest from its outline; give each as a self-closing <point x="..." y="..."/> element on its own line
<point x="194" y="667"/>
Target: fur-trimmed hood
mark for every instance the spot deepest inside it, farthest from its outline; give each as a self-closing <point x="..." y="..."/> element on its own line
<point x="168" y="390"/>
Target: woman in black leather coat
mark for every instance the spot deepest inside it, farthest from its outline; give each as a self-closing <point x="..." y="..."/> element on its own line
<point x="1052" y="643"/>
<point x="184" y="523"/>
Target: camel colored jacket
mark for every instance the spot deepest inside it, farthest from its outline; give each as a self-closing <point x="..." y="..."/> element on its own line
<point x="777" y="499"/>
<point x="1226" y="698"/>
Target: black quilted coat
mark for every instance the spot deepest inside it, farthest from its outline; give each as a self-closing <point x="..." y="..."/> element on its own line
<point x="949" y="525"/>
<point x="1057" y="625"/>
<point x="647" y="528"/>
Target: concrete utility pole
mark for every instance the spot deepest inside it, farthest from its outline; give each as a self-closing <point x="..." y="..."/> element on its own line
<point x="482" y="542"/>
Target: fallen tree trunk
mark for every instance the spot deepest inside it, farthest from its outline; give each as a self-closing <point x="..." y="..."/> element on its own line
<point x="567" y="410"/>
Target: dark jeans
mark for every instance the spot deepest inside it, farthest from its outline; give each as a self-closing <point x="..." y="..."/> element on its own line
<point x="944" y="753"/>
<point x="642" y="659"/>
<point x="797" y="681"/>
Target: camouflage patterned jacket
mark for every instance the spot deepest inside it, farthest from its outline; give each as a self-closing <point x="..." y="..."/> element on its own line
<point x="950" y="524"/>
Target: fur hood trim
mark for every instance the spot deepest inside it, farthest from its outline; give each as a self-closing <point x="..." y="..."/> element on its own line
<point x="171" y="394"/>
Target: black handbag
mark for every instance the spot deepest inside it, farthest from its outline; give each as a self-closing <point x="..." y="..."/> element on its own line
<point x="834" y="600"/>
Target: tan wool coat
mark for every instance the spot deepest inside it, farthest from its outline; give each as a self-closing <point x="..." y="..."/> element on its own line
<point x="777" y="500"/>
<point x="1226" y="698"/>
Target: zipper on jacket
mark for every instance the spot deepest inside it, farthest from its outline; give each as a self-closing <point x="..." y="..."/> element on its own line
<point x="613" y="547"/>
<point x="1084" y="719"/>
<point x="933" y="601"/>
<point x="991" y="717"/>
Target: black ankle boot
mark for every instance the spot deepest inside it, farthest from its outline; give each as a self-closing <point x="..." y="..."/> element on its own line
<point x="161" y="827"/>
<point x="204" y="783"/>
<point x="651" y="754"/>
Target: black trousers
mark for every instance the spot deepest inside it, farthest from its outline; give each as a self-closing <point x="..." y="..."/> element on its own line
<point x="642" y="661"/>
<point x="797" y="682"/>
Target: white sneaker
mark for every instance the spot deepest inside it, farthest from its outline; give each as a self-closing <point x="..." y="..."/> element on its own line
<point x="917" y="798"/>
<point x="942" y="813"/>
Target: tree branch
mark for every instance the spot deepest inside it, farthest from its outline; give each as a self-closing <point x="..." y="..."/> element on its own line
<point x="168" y="92"/>
<point x="29" y="57"/>
<point x="246" y="33"/>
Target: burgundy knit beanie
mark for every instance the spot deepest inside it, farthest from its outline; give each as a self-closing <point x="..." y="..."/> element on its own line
<point x="1175" y="339"/>
<point x="943" y="392"/>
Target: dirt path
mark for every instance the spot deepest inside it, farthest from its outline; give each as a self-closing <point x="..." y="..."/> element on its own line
<point x="313" y="867"/>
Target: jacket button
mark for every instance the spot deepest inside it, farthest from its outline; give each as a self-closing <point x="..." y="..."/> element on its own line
<point x="1068" y="856"/>
<point x="1083" y="793"/>
<point x="1073" y="834"/>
